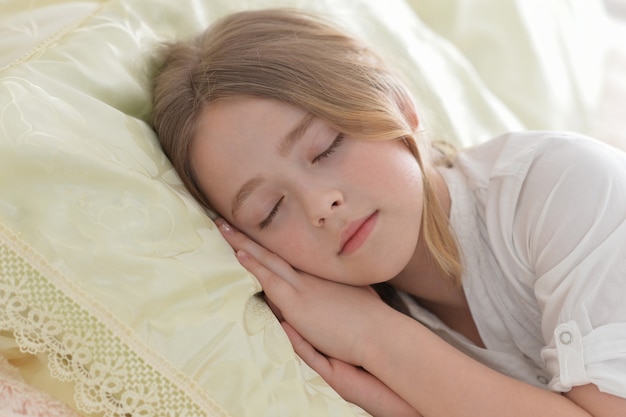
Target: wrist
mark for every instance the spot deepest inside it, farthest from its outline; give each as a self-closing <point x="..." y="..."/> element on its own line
<point x="381" y="334"/>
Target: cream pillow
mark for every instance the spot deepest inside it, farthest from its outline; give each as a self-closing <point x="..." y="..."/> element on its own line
<point x="114" y="279"/>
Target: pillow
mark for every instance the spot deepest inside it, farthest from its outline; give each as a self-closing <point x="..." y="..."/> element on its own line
<point x="20" y="400"/>
<point x="114" y="279"/>
<point x="545" y="61"/>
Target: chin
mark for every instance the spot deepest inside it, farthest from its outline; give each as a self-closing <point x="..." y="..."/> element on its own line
<point x="377" y="272"/>
<point x="389" y="272"/>
<point x="392" y="263"/>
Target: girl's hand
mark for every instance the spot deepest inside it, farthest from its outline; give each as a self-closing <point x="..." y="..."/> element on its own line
<point x="340" y="320"/>
<point x="354" y="384"/>
<point x="335" y="317"/>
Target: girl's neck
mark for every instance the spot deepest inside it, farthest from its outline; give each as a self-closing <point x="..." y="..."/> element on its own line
<point x="420" y="277"/>
<point x="432" y="289"/>
<point x="426" y="283"/>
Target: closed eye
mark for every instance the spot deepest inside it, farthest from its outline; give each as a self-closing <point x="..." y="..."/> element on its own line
<point x="268" y="220"/>
<point x="332" y="148"/>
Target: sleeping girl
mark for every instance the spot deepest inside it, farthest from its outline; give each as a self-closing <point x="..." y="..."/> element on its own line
<point x="414" y="280"/>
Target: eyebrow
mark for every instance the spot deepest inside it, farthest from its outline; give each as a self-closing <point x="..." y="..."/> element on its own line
<point x="284" y="148"/>
<point x="243" y="194"/>
<point x="295" y="134"/>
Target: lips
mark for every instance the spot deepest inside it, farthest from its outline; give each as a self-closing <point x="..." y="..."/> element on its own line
<point x="357" y="232"/>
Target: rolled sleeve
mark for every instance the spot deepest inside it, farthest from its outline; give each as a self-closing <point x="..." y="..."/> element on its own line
<point x="598" y="357"/>
<point x="548" y="278"/>
<point x="577" y="244"/>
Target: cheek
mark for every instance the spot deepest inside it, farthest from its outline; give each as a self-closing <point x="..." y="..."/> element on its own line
<point x="390" y="167"/>
<point x="218" y="207"/>
<point x="293" y="245"/>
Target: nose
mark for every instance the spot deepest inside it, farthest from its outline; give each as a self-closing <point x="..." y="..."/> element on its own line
<point x="321" y="203"/>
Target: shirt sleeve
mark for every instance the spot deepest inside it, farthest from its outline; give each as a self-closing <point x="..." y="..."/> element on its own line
<point x="571" y="227"/>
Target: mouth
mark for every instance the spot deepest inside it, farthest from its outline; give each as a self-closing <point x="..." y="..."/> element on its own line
<point x="357" y="232"/>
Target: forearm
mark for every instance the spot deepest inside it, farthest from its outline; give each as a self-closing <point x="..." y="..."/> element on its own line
<point x="439" y="380"/>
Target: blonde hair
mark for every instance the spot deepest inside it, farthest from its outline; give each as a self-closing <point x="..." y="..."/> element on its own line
<point x="298" y="59"/>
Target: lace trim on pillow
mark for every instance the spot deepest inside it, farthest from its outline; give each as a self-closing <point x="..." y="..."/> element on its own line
<point x="115" y="373"/>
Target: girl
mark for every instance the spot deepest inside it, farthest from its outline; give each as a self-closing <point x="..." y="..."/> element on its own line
<point x="511" y="256"/>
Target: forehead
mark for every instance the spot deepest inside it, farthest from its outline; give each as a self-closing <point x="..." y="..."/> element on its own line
<point x="236" y="138"/>
<point x="242" y="117"/>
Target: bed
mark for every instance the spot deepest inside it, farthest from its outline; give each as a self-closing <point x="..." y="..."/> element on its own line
<point x="118" y="297"/>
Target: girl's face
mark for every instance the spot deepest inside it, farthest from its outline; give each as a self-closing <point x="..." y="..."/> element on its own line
<point x="333" y="206"/>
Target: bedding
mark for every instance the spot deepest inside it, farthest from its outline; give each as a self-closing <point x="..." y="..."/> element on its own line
<point x="118" y="295"/>
<point x="18" y="399"/>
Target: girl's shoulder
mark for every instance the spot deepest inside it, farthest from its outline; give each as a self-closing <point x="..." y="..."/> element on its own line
<point x="538" y="191"/>
<point x="544" y="195"/>
<point x="520" y="156"/>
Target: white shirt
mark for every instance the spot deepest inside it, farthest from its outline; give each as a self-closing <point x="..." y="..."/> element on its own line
<point x="540" y="218"/>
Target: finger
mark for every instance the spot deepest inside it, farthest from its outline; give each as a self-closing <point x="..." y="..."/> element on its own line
<point x="239" y="241"/>
<point x="274" y="308"/>
<point x="276" y="288"/>
<point x="318" y="362"/>
<point x="233" y="236"/>
<point x="236" y="238"/>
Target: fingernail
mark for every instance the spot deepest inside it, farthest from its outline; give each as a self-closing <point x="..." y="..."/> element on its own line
<point x="226" y="228"/>
<point x="241" y="254"/>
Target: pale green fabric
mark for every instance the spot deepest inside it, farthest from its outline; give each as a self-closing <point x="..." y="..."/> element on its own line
<point x="105" y="258"/>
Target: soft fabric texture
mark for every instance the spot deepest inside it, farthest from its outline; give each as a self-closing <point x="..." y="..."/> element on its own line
<point x="18" y="399"/>
<point x="545" y="283"/>
<point x="115" y="281"/>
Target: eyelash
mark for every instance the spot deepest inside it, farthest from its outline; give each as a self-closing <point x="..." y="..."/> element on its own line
<point x="268" y="220"/>
<point x="331" y="149"/>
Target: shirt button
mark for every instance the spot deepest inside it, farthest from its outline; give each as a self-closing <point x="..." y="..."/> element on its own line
<point x="566" y="338"/>
<point x="542" y="379"/>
